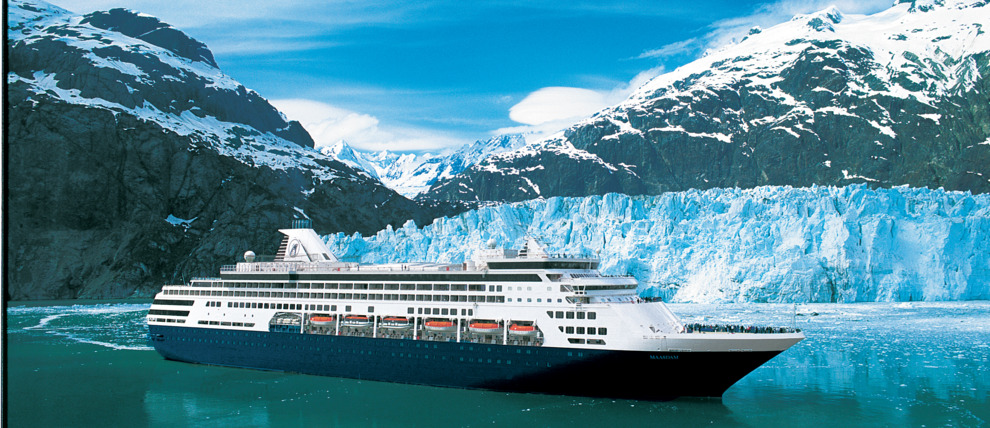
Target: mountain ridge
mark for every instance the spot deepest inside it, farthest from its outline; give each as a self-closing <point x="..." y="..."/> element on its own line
<point x="131" y="165"/>
<point x="898" y="97"/>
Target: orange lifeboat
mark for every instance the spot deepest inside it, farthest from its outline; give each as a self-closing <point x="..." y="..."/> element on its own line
<point x="356" y="321"/>
<point x="321" y="320"/>
<point x="483" y="327"/>
<point x="396" y="323"/>
<point x="522" y="330"/>
<point x="439" y="325"/>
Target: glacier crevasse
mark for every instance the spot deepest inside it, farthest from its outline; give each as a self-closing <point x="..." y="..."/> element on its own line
<point x="768" y="244"/>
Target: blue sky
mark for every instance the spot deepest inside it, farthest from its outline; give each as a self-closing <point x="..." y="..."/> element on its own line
<point x="429" y="75"/>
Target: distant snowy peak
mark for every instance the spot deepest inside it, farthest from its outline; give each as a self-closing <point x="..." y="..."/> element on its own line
<point x="346" y="154"/>
<point x="411" y="174"/>
<point x="131" y="63"/>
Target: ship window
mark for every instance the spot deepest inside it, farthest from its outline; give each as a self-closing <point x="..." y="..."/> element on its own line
<point x="573" y="340"/>
<point x="347" y="308"/>
<point x="470" y="312"/>
<point x="444" y="312"/>
<point x="570" y="315"/>
<point x="592" y="315"/>
<point x="436" y="311"/>
<point x="539" y="300"/>
<point x="569" y="330"/>
<point x="580" y="330"/>
<point x="592" y="330"/>
<point x="498" y="288"/>
<point x="580" y="315"/>
<point x="560" y="314"/>
<point x="371" y="309"/>
<point x="410" y="311"/>
<point x="333" y="307"/>
<point x="602" y="330"/>
<point x="596" y="342"/>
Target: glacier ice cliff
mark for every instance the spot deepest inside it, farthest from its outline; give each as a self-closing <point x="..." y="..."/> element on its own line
<point x="767" y="244"/>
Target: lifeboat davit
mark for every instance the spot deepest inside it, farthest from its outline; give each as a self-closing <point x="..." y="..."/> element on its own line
<point x="356" y="321"/>
<point x="397" y="323"/>
<point x="321" y="320"/>
<point x="439" y="325"/>
<point x="483" y="327"/>
<point x="522" y="330"/>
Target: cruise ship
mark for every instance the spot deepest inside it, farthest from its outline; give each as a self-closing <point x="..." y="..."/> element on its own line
<point x="507" y="320"/>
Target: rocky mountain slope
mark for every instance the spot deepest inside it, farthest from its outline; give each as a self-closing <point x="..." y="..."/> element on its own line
<point x="133" y="161"/>
<point x="899" y="97"/>
<point x="411" y="174"/>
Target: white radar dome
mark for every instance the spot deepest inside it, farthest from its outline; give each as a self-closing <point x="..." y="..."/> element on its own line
<point x="249" y="256"/>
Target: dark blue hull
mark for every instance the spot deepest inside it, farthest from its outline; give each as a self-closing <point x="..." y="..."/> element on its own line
<point x="545" y="370"/>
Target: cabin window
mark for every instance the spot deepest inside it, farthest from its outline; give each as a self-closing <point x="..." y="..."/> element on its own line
<point x="580" y="330"/>
<point x="569" y="330"/>
<point x="580" y="315"/>
<point x="371" y="309"/>
<point x="602" y="331"/>
<point x="592" y="315"/>
<point x="347" y="308"/>
<point x="570" y="315"/>
<point x="560" y="314"/>
<point x="410" y="311"/>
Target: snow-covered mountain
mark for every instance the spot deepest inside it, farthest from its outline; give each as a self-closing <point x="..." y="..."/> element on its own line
<point x="411" y="174"/>
<point x="134" y="161"/>
<point x="767" y="244"/>
<point x="898" y="97"/>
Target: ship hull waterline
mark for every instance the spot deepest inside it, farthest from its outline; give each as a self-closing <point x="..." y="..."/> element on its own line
<point x="638" y="375"/>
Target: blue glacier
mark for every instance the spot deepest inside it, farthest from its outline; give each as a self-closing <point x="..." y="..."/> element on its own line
<point x="768" y="244"/>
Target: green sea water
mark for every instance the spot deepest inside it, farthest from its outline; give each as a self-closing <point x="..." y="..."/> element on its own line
<point x="917" y="364"/>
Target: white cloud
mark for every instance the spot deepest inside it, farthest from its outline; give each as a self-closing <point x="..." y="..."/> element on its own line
<point x="671" y="49"/>
<point x="547" y="110"/>
<point x="556" y="103"/>
<point x="328" y="124"/>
